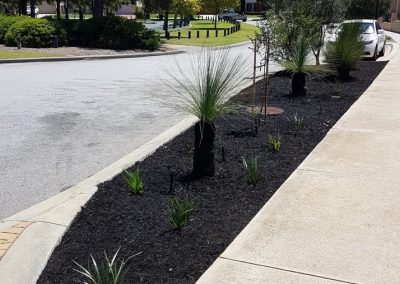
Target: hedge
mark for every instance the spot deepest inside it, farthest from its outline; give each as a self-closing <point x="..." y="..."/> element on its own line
<point x="5" y="23"/>
<point x="105" y="32"/>
<point x="33" y="32"/>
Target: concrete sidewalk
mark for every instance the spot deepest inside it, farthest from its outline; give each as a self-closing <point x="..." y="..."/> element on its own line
<point x="336" y="219"/>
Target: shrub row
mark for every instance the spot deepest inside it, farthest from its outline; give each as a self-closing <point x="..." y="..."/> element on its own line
<point x="111" y="32"/>
<point x="105" y="32"/>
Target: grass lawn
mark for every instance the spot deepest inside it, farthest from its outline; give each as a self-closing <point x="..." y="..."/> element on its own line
<point x="243" y="35"/>
<point x="7" y="54"/>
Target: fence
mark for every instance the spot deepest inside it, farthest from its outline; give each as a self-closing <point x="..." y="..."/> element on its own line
<point x="189" y="34"/>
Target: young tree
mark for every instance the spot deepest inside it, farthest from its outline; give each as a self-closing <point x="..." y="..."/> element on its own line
<point x="217" y="6"/>
<point x="80" y="4"/>
<point x="185" y="8"/>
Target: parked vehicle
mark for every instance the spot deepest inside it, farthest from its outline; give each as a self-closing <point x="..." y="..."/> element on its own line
<point x="372" y="34"/>
<point x="231" y="15"/>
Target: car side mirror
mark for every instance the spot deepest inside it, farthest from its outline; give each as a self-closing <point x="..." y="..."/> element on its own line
<point x="380" y="31"/>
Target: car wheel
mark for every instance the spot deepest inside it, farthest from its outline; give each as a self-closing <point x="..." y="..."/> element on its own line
<point x="382" y="53"/>
<point x="375" y="56"/>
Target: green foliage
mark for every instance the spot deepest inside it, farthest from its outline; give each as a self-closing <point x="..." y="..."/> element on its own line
<point x="298" y="60"/>
<point x="8" y="7"/>
<point x="36" y="33"/>
<point x="275" y="143"/>
<point x="113" y="33"/>
<point x="346" y="51"/>
<point x="366" y="9"/>
<point x="251" y="170"/>
<point x="108" y="272"/>
<point x="134" y="181"/>
<point x="215" y="6"/>
<point x="288" y="19"/>
<point x="179" y="211"/>
<point x="205" y="90"/>
<point x="6" y="22"/>
<point x="298" y="122"/>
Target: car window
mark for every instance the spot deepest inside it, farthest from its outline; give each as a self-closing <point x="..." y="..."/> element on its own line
<point x="365" y="28"/>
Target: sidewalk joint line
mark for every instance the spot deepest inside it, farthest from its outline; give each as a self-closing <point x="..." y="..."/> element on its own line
<point x="288" y="270"/>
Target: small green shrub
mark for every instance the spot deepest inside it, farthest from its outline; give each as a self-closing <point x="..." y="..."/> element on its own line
<point x="108" y="272"/>
<point x="346" y="51"/>
<point x="36" y="33"/>
<point x="298" y="122"/>
<point x="275" y="143"/>
<point x="134" y="181"/>
<point x="252" y="171"/>
<point x="115" y="33"/>
<point x="6" y="22"/>
<point x="179" y="211"/>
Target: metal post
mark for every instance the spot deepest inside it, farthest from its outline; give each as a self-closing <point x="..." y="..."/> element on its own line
<point x="208" y="33"/>
<point x="179" y="35"/>
<point x="189" y="34"/>
<point x="216" y="33"/>
<point x="198" y="34"/>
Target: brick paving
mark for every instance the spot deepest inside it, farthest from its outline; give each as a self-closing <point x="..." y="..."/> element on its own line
<point x="9" y="236"/>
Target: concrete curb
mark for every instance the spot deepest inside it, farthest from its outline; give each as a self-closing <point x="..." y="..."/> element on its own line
<point x="25" y="260"/>
<point x="90" y="57"/>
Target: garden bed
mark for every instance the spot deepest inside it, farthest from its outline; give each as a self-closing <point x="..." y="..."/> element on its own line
<point x="225" y="203"/>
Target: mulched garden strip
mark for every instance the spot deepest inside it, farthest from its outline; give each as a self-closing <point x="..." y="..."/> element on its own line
<point x="114" y="218"/>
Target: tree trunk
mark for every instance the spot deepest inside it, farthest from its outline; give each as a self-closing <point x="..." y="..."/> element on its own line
<point x="317" y="62"/>
<point x="97" y="8"/>
<point x="66" y="8"/>
<point x="298" y="84"/>
<point x="166" y="22"/>
<point x="175" y="20"/>
<point x="80" y="14"/>
<point x="32" y="3"/>
<point x="22" y="6"/>
<point x="203" y="158"/>
<point x="58" y="9"/>
<point x="216" y="18"/>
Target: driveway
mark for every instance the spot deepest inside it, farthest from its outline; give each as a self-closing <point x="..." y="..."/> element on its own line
<point x="63" y="121"/>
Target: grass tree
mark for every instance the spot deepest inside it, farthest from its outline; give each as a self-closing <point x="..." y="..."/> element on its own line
<point x="346" y="51"/>
<point x="298" y="67"/>
<point x="205" y="91"/>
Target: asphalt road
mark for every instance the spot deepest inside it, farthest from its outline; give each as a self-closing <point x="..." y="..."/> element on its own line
<point x="61" y="122"/>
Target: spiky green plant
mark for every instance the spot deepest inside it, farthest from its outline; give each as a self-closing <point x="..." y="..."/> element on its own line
<point x="205" y="91"/>
<point x="298" y="67"/>
<point x="298" y="121"/>
<point x="251" y="170"/>
<point x="109" y="271"/>
<point x="179" y="211"/>
<point x="275" y="143"/>
<point x="346" y="51"/>
<point x="134" y="181"/>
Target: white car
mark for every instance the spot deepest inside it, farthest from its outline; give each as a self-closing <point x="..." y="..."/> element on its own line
<point x="373" y="37"/>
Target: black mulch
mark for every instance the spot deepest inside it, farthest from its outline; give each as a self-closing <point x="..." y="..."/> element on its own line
<point x="115" y="218"/>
